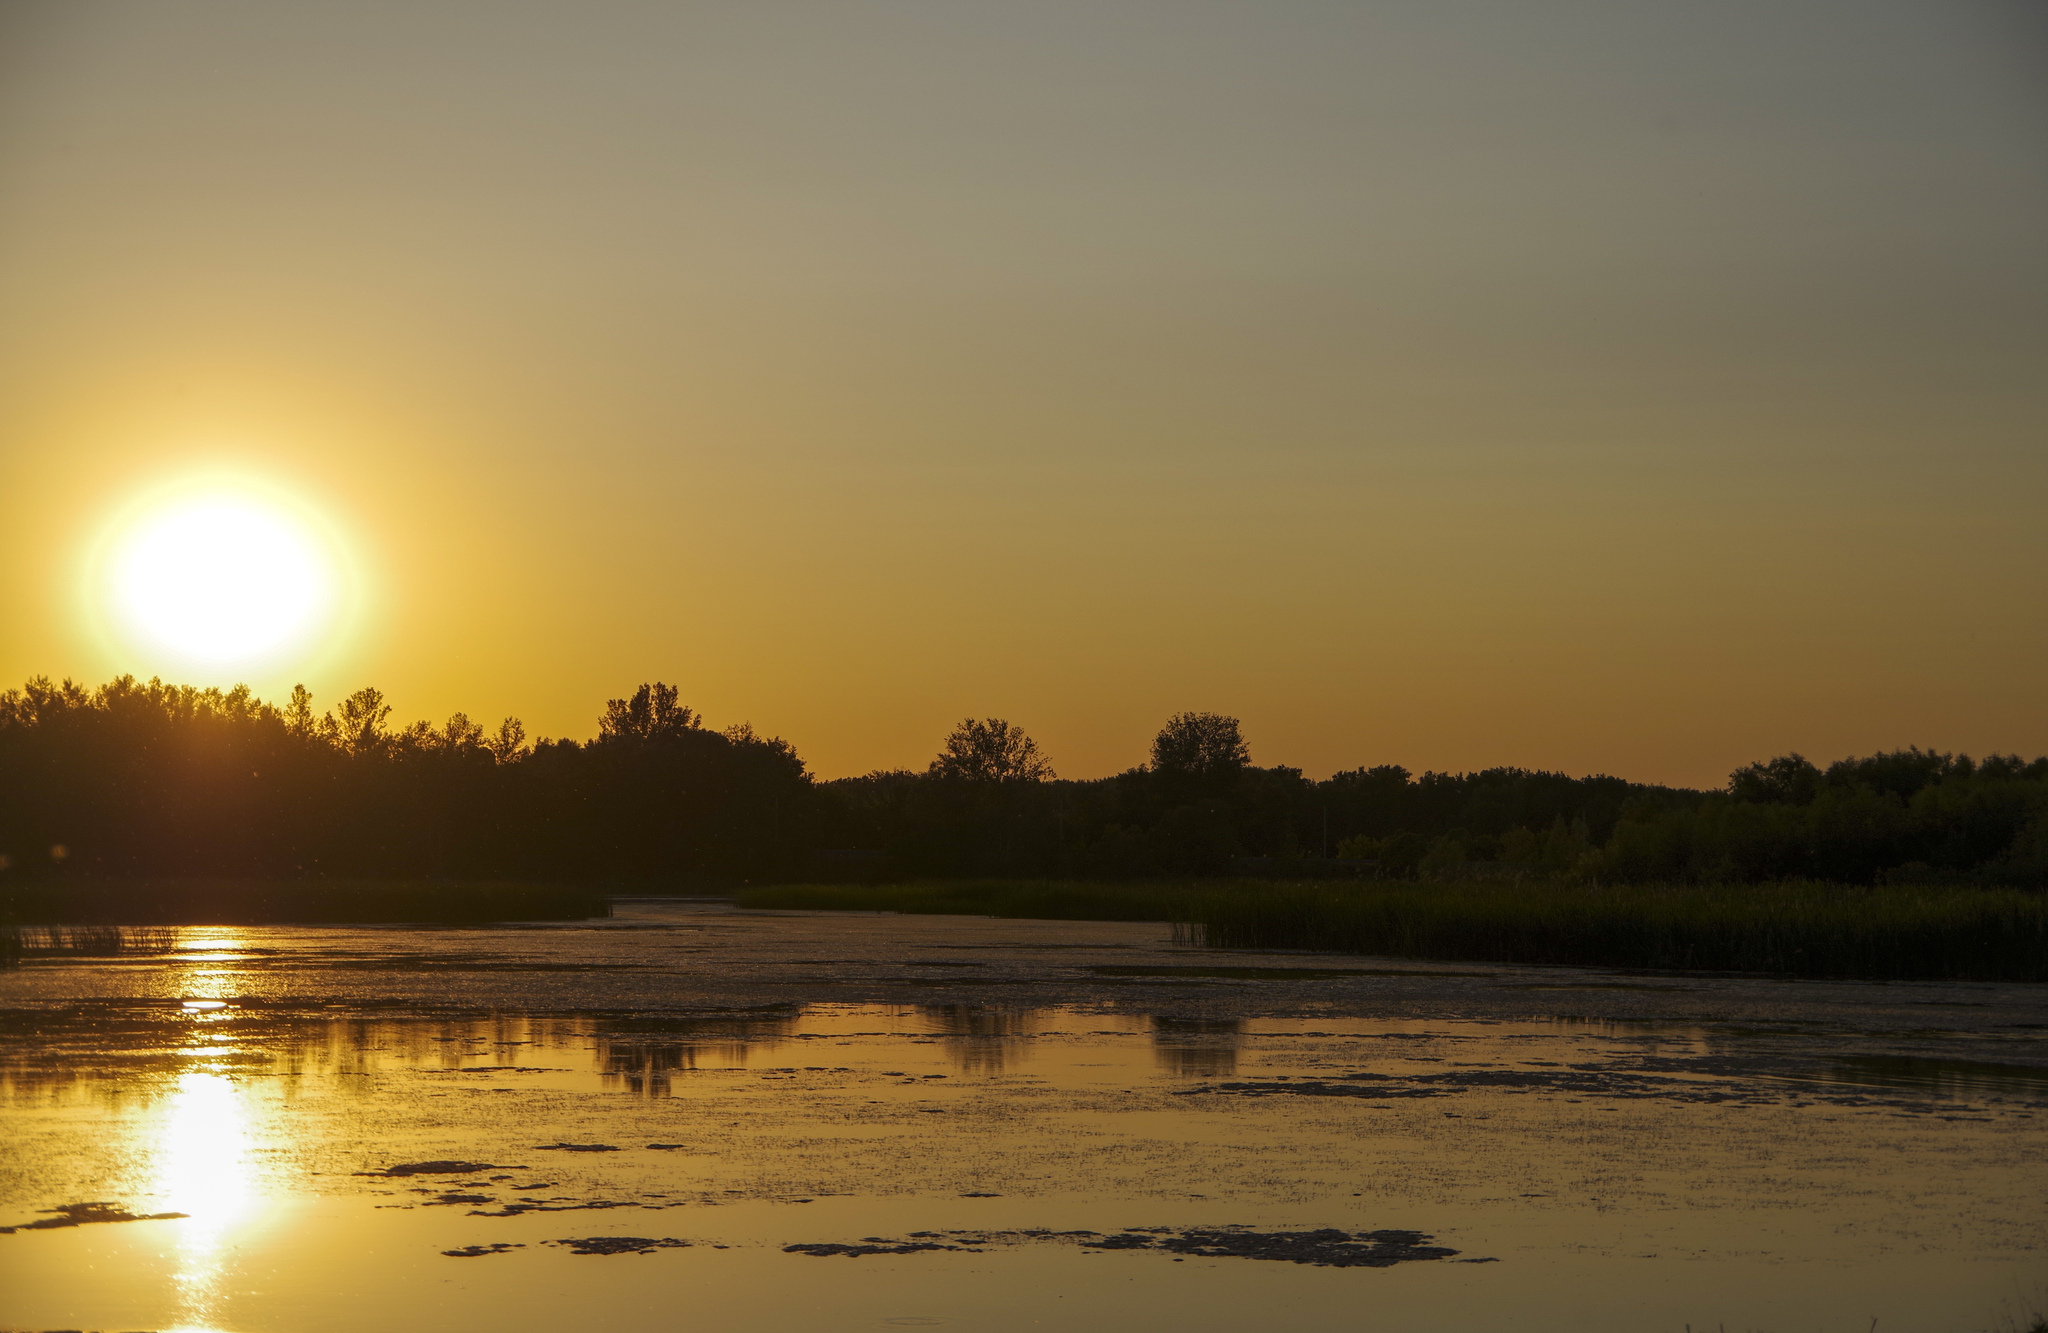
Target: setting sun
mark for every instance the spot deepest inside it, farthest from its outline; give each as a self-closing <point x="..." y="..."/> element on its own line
<point x="220" y="581"/>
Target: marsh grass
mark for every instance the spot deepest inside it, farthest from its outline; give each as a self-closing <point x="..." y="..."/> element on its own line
<point x="93" y="904"/>
<point x="1046" y="900"/>
<point x="1799" y="929"/>
<point x="1791" y="928"/>
<point x="18" y="942"/>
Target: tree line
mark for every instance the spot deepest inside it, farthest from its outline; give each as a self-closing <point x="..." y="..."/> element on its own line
<point x="144" y="779"/>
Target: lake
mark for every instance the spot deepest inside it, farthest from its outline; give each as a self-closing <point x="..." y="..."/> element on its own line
<point x="690" y="1117"/>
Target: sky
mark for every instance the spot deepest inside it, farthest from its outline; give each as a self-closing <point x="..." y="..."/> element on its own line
<point x="1629" y="387"/>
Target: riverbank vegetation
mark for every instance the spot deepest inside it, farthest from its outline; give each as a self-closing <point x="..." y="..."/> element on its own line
<point x="1808" y="929"/>
<point x="141" y="780"/>
<point x="18" y="942"/>
<point x="127" y="909"/>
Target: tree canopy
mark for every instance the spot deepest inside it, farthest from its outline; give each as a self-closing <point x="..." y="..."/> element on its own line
<point x="142" y="778"/>
<point x="990" y="750"/>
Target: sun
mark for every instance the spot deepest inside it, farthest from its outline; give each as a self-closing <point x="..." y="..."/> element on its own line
<point x="220" y="581"/>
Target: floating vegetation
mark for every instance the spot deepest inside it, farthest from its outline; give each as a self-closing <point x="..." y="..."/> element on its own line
<point x="871" y="1245"/>
<point x="1324" y="1247"/>
<point x="441" y="1168"/>
<point x="560" y="1206"/>
<point x="618" y="1244"/>
<point x="578" y="1147"/>
<point x="478" y="1251"/>
<point x="79" y="1214"/>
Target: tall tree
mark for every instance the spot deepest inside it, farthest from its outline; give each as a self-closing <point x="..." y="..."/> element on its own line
<point x="1201" y="745"/>
<point x="360" y="728"/>
<point x="652" y="714"/>
<point x="985" y="750"/>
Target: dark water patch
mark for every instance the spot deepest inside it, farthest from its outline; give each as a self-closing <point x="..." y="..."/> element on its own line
<point x="525" y="1206"/>
<point x="1266" y="973"/>
<point x="873" y="1245"/>
<point x="1591" y="985"/>
<point x="478" y="1251"/>
<point x="618" y="1244"/>
<point x="468" y="965"/>
<point x="1315" y="1088"/>
<point x="1699" y="1082"/>
<point x="1931" y="1072"/>
<point x="1127" y="1241"/>
<point x="941" y="981"/>
<point x="578" y="1147"/>
<point x="1325" y="1247"/>
<point x="1058" y="948"/>
<point x="80" y="1214"/>
<point x="1377" y="1087"/>
<point x="442" y="1168"/>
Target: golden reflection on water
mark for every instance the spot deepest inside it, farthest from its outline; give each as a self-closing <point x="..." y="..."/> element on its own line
<point x="208" y="986"/>
<point x="202" y="1168"/>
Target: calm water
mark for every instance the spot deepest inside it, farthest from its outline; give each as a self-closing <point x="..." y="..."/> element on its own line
<point x="1094" y="1127"/>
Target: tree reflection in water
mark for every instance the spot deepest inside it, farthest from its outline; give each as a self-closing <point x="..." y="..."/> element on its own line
<point x="981" y="1040"/>
<point x="1196" y="1047"/>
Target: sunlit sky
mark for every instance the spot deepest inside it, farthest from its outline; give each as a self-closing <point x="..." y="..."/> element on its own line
<point x="1633" y="387"/>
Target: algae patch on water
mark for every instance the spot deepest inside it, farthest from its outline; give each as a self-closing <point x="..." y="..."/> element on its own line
<point x="79" y="1214"/>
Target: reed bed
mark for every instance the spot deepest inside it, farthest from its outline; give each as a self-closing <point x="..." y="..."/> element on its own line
<point x="1797" y="929"/>
<point x="220" y="902"/>
<point x="1045" y="900"/>
<point x="1788" y="928"/>
<point x="19" y="942"/>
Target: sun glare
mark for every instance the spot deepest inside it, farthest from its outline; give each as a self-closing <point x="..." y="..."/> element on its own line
<point x="220" y="581"/>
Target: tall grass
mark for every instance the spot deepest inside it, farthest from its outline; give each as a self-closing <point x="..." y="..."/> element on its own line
<point x="18" y="942"/>
<point x="1045" y="899"/>
<point x="214" y="902"/>
<point x="1787" y="928"/>
<point x="1802" y="929"/>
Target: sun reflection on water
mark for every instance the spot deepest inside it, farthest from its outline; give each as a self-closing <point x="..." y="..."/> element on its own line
<point x="203" y="1170"/>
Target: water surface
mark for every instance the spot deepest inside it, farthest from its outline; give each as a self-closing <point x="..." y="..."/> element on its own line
<point x="1024" y="1124"/>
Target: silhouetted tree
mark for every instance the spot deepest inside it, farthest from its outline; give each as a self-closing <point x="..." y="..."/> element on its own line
<point x="360" y="729"/>
<point x="509" y="746"/>
<point x="1786" y="780"/>
<point x="1204" y="745"/>
<point x="144" y="779"/>
<point x="990" y="750"/>
<point x="298" y="714"/>
<point x="652" y="714"/>
<point x="1198" y="756"/>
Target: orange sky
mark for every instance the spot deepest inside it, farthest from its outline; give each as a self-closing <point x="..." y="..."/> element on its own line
<point x="1614" y="387"/>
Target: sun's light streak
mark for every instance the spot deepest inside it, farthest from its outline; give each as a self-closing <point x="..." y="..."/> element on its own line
<point x="203" y="1170"/>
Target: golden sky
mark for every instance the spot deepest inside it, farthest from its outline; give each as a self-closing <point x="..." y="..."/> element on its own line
<point x="1632" y="387"/>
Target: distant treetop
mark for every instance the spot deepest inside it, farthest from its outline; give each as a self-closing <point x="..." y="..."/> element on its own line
<point x="652" y="714"/>
<point x="991" y="750"/>
<point x="1203" y="745"/>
